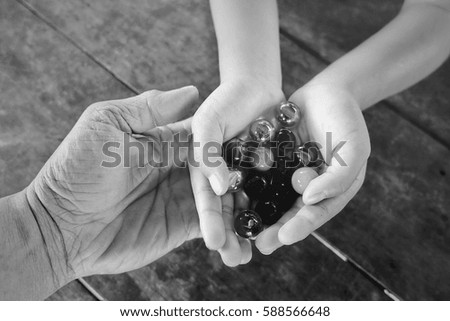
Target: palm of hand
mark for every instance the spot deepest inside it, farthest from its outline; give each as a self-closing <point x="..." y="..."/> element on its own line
<point x="336" y="113"/>
<point x="120" y="218"/>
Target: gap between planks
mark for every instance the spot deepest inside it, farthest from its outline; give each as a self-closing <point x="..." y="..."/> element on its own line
<point x="76" y="45"/>
<point x="333" y="249"/>
<point x="91" y="289"/>
<point x="374" y="280"/>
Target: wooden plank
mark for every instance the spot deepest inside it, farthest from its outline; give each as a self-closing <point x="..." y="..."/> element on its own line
<point x="306" y="272"/>
<point x="332" y="28"/>
<point x="389" y="226"/>
<point x="74" y="291"/>
<point x="47" y="83"/>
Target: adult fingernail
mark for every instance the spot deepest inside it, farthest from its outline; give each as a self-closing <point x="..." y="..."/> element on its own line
<point x="315" y="198"/>
<point x="216" y="185"/>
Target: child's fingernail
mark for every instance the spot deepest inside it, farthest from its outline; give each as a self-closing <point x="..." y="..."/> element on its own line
<point x="315" y="198"/>
<point x="216" y="185"/>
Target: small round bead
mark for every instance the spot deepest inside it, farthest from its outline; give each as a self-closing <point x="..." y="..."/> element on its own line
<point x="286" y="135"/>
<point x="255" y="186"/>
<point x="236" y="179"/>
<point x="288" y="114"/>
<point x="268" y="211"/>
<point x="302" y="177"/>
<point x="248" y="224"/>
<point x="262" y="159"/>
<point x="233" y="151"/>
<point x="262" y="131"/>
<point x="309" y="155"/>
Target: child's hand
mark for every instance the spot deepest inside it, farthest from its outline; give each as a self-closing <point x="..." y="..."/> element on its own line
<point x="325" y="110"/>
<point x="223" y="115"/>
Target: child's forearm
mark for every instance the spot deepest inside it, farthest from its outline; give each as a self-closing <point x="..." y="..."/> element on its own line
<point x="248" y="39"/>
<point x="405" y="51"/>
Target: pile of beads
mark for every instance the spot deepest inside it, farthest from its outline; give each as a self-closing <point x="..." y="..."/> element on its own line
<point x="272" y="167"/>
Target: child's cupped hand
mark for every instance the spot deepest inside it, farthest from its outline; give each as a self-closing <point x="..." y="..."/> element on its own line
<point x="332" y="118"/>
<point x="222" y="116"/>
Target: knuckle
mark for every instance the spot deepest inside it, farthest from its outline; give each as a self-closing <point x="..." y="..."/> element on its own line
<point x="106" y="112"/>
<point x="153" y="98"/>
<point x="227" y="209"/>
<point x="340" y="187"/>
<point x="204" y="189"/>
<point x="151" y="95"/>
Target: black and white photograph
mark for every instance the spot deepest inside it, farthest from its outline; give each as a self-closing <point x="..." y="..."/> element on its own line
<point x="225" y="150"/>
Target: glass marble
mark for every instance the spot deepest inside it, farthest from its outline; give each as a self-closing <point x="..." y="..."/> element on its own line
<point x="286" y="142"/>
<point x="262" y="159"/>
<point x="233" y="151"/>
<point x="302" y="177"/>
<point x="268" y="211"/>
<point x="262" y="131"/>
<point x="248" y="224"/>
<point x="309" y="155"/>
<point x="288" y="114"/>
<point x="255" y="186"/>
<point x="236" y="179"/>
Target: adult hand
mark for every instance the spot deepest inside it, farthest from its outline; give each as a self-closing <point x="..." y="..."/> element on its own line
<point x="345" y="148"/>
<point x="224" y="114"/>
<point x="98" y="200"/>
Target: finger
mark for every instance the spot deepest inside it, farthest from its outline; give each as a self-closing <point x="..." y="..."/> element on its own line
<point x="222" y="116"/>
<point x="344" y="165"/>
<point x="141" y="113"/>
<point x="170" y="106"/>
<point x="311" y="217"/>
<point x="209" y="208"/>
<point x="231" y="252"/>
<point x="267" y="242"/>
<point x="246" y="250"/>
<point x="208" y="140"/>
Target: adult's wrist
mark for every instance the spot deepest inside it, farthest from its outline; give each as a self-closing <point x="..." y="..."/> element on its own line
<point x="30" y="268"/>
<point x="52" y="236"/>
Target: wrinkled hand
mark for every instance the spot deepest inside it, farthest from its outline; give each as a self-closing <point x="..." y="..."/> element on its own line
<point x="224" y="114"/>
<point x="118" y="217"/>
<point x="325" y="109"/>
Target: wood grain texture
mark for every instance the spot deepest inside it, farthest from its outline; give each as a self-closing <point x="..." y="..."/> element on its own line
<point x="46" y="84"/>
<point x="394" y="227"/>
<point x="332" y="28"/>
<point x="74" y="291"/>
<point x="305" y="272"/>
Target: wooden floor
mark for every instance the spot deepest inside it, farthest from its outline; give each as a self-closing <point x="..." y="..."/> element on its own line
<point x="392" y="241"/>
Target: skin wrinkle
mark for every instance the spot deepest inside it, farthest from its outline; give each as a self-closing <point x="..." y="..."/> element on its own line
<point x="57" y="237"/>
<point x="148" y="217"/>
<point x="118" y="219"/>
<point x="21" y="228"/>
<point x="177" y="204"/>
<point x="46" y="250"/>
